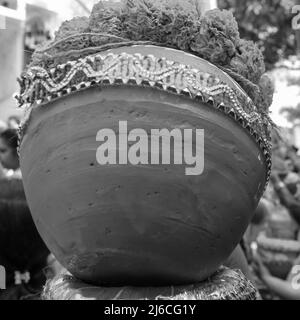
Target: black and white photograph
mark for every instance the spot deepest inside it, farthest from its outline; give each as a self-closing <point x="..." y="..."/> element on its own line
<point x="150" y="151"/>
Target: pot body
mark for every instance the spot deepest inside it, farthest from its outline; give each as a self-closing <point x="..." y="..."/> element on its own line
<point x="138" y="224"/>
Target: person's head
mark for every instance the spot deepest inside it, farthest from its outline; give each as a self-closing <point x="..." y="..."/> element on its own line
<point x="8" y="149"/>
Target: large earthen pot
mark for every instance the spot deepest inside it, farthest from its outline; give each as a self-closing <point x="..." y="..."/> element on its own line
<point x="140" y="224"/>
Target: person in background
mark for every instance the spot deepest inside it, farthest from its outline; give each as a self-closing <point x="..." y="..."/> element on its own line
<point x="285" y="289"/>
<point x="292" y="155"/>
<point x="238" y="261"/>
<point x="286" y="194"/>
<point x="258" y="223"/>
<point x="3" y="127"/>
<point x="22" y="251"/>
<point x="8" y="153"/>
<point x="241" y="258"/>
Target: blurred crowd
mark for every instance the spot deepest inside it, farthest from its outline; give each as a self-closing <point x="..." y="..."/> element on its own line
<point x="272" y="241"/>
<point x="9" y="161"/>
<point x="27" y="261"/>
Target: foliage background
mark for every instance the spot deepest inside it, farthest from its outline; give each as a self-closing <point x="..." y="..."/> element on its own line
<point x="267" y="22"/>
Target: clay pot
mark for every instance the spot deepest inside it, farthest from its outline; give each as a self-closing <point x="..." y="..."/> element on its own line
<point x="139" y="224"/>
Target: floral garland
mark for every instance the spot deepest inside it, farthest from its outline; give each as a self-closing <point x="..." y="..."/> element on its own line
<point x="213" y="37"/>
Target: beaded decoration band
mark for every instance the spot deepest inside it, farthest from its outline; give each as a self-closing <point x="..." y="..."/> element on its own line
<point x="39" y="87"/>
